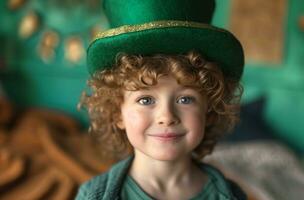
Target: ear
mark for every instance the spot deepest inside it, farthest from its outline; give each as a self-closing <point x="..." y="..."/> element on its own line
<point x="121" y="124"/>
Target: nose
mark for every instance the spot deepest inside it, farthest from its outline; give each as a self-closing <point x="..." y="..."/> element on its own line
<point x="167" y="116"/>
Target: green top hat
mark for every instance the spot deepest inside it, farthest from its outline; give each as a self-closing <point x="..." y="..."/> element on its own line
<point x="149" y="27"/>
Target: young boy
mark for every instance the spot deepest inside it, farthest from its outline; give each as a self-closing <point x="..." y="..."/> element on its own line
<point x="156" y="96"/>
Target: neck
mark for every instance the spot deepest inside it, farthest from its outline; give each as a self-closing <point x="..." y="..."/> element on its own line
<point x="162" y="175"/>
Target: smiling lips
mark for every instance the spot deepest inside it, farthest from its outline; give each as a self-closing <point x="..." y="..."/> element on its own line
<point x="167" y="136"/>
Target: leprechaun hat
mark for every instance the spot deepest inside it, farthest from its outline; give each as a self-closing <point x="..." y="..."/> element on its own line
<point x="164" y="26"/>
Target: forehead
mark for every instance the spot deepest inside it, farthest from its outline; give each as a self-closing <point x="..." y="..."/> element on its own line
<point x="165" y="84"/>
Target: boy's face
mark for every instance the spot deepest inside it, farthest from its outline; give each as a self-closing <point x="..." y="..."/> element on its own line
<point x="165" y="122"/>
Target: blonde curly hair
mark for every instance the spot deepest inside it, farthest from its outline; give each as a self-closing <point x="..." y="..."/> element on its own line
<point x="134" y="72"/>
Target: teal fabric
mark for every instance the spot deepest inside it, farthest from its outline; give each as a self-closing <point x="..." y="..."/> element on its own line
<point x="131" y="190"/>
<point x="109" y="186"/>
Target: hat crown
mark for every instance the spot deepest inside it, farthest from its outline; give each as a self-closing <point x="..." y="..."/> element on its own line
<point x="132" y="12"/>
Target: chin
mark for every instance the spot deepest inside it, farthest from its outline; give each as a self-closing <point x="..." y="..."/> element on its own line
<point x="166" y="156"/>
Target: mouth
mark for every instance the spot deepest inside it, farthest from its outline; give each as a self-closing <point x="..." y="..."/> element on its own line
<point x="167" y="136"/>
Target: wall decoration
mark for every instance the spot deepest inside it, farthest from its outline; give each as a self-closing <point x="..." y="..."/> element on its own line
<point x="47" y="45"/>
<point x="15" y="4"/>
<point x="301" y="23"/>
<point x="28" y="25"/>
<point x="259" y="25"/>
<point x="74" y="49"/>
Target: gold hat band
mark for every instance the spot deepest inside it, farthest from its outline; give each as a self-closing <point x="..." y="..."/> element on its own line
<point x="153" y="25"/>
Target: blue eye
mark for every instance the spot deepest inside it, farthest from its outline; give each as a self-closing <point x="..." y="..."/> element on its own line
<point x="185" y="100"/>
<point x="146" y="101"/>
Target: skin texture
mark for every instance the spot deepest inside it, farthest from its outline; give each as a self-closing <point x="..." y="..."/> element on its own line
<point x="164" y="124"/>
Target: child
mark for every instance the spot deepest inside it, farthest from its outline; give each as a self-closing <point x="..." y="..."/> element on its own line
<point x="164" y="88"/>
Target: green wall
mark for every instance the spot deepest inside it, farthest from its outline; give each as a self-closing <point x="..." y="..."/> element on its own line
<point x="282" y="85"/>
<point x="58" y="83"/>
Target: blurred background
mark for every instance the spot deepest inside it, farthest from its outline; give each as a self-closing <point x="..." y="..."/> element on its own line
<point x="45" y="152"/>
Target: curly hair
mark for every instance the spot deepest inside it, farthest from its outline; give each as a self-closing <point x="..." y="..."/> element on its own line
<point x="134" y="72"/>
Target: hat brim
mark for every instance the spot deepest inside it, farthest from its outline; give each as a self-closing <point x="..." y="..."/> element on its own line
<point x="215" y="44"/>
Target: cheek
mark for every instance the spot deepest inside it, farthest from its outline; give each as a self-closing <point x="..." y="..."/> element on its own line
<point x="198" y="125"/>
<point x="128" y="115"/>
<point x="196" y="121"/>
<point x="134" y="120"/>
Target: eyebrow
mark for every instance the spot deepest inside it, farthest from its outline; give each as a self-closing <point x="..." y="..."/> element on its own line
<point x="182" y="88"/>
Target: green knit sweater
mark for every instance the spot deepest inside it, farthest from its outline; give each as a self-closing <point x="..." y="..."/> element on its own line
<point x="108" y="186"/>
